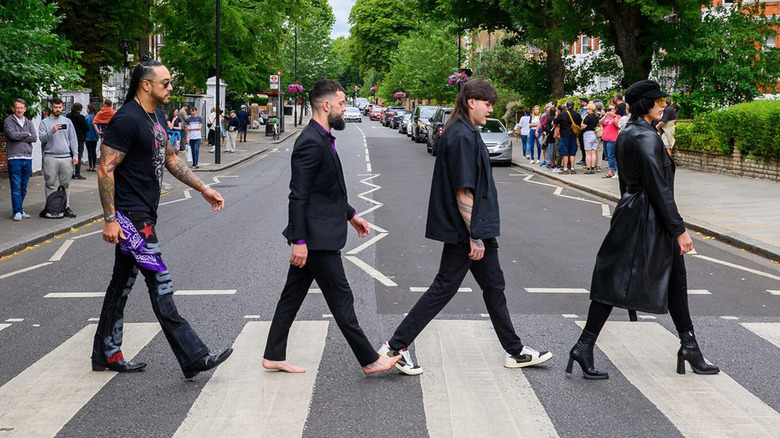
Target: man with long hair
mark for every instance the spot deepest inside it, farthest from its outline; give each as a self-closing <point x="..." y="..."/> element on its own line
<point x="463" y="213"/>
<point x="317" y="230"/>
<point x="134" y="150"/>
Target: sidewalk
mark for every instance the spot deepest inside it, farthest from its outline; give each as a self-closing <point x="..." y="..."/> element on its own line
<point x="742" y="212"/>
<point x="84" y="199"/>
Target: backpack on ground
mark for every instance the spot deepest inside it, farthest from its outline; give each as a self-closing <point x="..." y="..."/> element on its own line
<point x="55" y="206"/>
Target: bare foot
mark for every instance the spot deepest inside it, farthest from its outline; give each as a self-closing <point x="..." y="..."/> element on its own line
<point x="384" y="363"/>
<point x="282" y="365"/>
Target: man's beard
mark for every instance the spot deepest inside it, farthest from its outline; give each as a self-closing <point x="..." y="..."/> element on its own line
<point x="337" y="122"/>
<point x="56" y="113"/>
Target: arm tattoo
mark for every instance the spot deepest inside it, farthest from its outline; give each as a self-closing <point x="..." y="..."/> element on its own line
<point x="109" y="159"/>
<point x="180" y="170"/>
<point x="465" y="199"/>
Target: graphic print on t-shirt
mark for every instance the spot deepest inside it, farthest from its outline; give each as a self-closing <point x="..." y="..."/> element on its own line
<point x="158" y="158"/>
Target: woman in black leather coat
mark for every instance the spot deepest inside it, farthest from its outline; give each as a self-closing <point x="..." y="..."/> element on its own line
<point x="640" y="264"/>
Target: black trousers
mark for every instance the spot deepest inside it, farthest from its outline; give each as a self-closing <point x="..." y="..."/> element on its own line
<point x="678" y="301"/>
<point x="92" y="153"/>
<point x="455" y="263"/>
<point x="185" y="343"/>
<point x="78" y="163"/>
<point x="326" y="267"/>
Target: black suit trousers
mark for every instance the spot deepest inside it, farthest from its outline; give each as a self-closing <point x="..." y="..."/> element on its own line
<point x="455" y="263"/>
<point x="326" y="267"/>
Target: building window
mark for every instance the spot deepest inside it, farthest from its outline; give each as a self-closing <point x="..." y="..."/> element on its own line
<point x="584" y="44"/>
<point x="771" y="42"/>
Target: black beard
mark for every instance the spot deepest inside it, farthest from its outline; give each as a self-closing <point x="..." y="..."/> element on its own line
<point x="337" y="122"/>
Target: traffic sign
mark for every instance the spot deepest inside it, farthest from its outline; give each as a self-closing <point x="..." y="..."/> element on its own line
<point x="274" y="79"/>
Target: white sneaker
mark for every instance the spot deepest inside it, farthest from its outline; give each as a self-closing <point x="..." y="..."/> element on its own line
<point x="406" y="365"/>
<point x="528" y="357"/>
<point x="18" y="217"/>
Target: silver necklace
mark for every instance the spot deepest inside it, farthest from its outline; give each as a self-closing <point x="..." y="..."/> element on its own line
<point x="159" y="136"/>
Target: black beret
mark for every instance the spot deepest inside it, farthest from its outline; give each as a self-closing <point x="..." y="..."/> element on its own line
<point x="584" y="99"/>
<point x="646" y="89"/>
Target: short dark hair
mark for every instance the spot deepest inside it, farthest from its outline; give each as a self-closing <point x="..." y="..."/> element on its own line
<point x="641" y="107"/>
<point x="56" y="101"/>
<point x="322" y="89"/>
<point x="20" y="100"/>
<point x="90" y="109"/>
<point x="472" y="89"/>
<point x="107" y="102"/>
<point x="77" y="107"/>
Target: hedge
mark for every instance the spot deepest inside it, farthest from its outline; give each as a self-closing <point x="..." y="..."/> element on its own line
<point x="754" y="128"/>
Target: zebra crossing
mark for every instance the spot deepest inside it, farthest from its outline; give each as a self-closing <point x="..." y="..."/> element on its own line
<point x="466" y="391"/>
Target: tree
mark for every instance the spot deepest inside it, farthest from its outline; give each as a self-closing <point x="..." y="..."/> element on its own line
<point x="719" y="58"/>
<point x="341" y="64"/>
<point x="97" y="29"/>
<point x="313" y="35"/>
<point x="378" y="26"/>
<point x="34" y="59"/>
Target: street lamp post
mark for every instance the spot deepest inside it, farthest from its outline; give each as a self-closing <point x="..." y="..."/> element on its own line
<point x="218" y="120"/>
<point x="295" y="73"/>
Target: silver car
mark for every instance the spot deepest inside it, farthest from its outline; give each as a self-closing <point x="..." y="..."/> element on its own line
<point x="352" y="114"/>
<point x="497" y="140"/>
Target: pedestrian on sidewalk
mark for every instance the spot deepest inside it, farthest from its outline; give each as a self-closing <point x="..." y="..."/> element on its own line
<point x="666" y="126"/>
<point x="103" y="117"/>
<point x="533" y="135"/>
<point x="463" y="214"/>
<point x="60" y="151"/>
<point x="19" y="138"/>
<point x="589" y="137"/>
<point x="523" y="128"/>
<point x="567" y="146"/>
<point x="232" y="130"/>
<point x="243" y="123"/>
<point x="580" y="137"/>
<point x="174" y="130"/>
<point x="134" y="151"/>
<point x="81" y="127"/>
<point x="211" y="126"/>
<point x="549" y="140"/>
<point x="317" y="229"/>
<point x="640" y="264"/>
<point x="609" y="136"/>
<point x="194" y="127"/>
<point x="91" y="139"/>
<point x="183" y="115"/>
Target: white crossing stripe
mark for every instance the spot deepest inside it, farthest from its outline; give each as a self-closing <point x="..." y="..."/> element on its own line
<point x="14" y="320"/>
<point x="647" y="317"/>
<point x="773" y="292"/>
<point x="467" y="392"/>
<point x="733" y="318"/>
<point x="102" y="294"/>
<point x="699" y="292"/>
<point x="2" y="326"/>
<point x="699" y="406"/>
<point x="767" y="330"/>
<point x="43" y="398"/>
<point x="556" y="290"/>
<point x="243" y="399"/>
<point x="423" y="289"/>
<point x="569" y="315"/>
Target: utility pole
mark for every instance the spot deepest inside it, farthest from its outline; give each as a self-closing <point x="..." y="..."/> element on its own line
<point x="295" y="80"/>
<point x="218" y="120"/>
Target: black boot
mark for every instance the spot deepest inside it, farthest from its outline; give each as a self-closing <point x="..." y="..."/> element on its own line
<point x="206" y="363"/>
<point x="689" y="350"/>
<point x="582" y="352"/>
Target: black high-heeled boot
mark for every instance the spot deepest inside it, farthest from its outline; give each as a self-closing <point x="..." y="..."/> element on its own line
<point x="582" y="352"/>
<point x="689" y="351"/>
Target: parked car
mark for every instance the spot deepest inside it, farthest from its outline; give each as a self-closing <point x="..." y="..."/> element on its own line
<point x="367" y="110"/>
<point x="376" y="112"/>
<point x="361" y="102"/>
<point x="437" y="122"/>
<point x="387" y="115"/>
<point x="352" y="114"/>
<point x="409" y="125"/>
<point x="497" y="140"/>
<point x="397" y="116"/>
<point x="420" y="118"/>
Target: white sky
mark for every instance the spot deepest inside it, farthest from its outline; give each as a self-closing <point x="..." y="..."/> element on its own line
<point x="341" y="10"/>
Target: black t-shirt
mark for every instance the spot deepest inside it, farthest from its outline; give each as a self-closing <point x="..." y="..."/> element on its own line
<point x="669" y="114"/>
<point x="462" y="161"/>
<point x="138" y="178"/>
<point x="591" y="120"/>
<point x="621" y="109"/>
<point x="564" y="121"/>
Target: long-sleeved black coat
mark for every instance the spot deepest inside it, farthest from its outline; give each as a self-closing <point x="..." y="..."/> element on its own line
<point x="634" y="262"/>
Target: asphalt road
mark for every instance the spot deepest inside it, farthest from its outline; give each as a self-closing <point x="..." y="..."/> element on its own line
<point x="238" y="259"/>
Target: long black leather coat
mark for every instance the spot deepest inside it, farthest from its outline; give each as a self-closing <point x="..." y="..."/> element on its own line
<point x="634" y="262"/>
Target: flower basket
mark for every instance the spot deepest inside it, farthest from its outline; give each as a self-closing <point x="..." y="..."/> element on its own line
<point x="295" y="88"/>
<point x="458" y="78"/>
<point x="372" y="90"/>
<point x="357" y="88"/>
<point x="399" y="95"/>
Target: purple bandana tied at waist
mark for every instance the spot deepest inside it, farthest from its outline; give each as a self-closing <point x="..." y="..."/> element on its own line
<point x="135" y="245"/>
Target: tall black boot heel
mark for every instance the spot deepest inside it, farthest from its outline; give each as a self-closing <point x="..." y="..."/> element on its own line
<point x="689" y="351"/>
<point x="582" y="352"/>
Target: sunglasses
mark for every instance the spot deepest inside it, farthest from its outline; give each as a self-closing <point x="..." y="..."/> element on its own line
<point x="660" y="101"/>
<point x="164" y="83"/>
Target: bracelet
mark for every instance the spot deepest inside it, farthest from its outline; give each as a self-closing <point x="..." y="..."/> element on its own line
<point x="204" y="188"/>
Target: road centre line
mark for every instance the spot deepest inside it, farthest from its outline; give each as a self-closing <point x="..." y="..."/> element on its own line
<point x="556" y="290"/>
<point x="61" y="251"/>
<point x="423" y="289"/>
<point x="102" y="294"/>
<point x="23" y="270"/>
<point x="85" y="235"/>
<point x="366" y="244"/>
<point x="735" y="266"/>
<point x="14" y="320"/>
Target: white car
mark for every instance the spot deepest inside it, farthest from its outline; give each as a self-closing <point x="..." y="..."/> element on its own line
<point x="352" y="114"/>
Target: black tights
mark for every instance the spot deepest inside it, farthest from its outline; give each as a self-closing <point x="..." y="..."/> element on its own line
<point x="678" y="302"/>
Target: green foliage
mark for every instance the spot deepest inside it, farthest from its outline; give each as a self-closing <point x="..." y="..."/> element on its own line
<point x="725" y="63"/>
<point x="378" y="26"/>
<point x="34" y="59"/>
<point x="341" y="64"/>
<point x="505" y="98"/>
<point x="751" y="127"/>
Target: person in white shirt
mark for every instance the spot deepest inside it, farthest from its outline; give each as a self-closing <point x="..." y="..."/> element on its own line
<point x="524" y="127"/>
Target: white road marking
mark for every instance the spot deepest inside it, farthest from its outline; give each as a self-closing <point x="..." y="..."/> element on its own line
<point x="243" y="399"/>
<point x="730" y="318"/>
<point x="466" y="389"/>
<point x="735" y="266"/>
<point x="40" y="400"/>
<point x="569" y="315"/>
<point x="366" y="244"/>
<point x="699" y="292"/>
<point x="371" y="271"/>
<point x="23" y="270"/>
<point x="647" y="317"/>
<point x="14" y="320"/>
<point x="75" y="295"/>
<point x="767" y="330"/>
<point x="700" y="406"/>
<point x="327" y="315"/>
<point x="251" y="316"/>
<point x="605" y="210"/>
<point x="484" y="315"/>
<point x="206" y="292"/>
<point x="187" y="196"/>
<point x="88" y="234"/>
<point x="773" y="292"/>
<point x="368" y="167"/>
<point x="217" y="178"/>
<point x="93" y="319"/>
<point x="559" y="192"/>
<point x="556" y="290"/>
<point x="423" y="289"/>
<point x="61" y="251"/>
<point x="2" y="326"/>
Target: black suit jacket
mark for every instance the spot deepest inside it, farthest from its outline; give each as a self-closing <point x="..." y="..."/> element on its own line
<point x="318" y="209"/>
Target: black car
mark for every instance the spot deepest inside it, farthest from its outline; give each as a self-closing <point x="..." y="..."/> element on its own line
<point x="397" y="116"/>
<point x="437" y="122"/>
<point x="420" y="118"/>
<point x="388" y="113"/>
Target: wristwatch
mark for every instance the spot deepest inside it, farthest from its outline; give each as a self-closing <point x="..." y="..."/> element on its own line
<point x="111" y="218"/>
